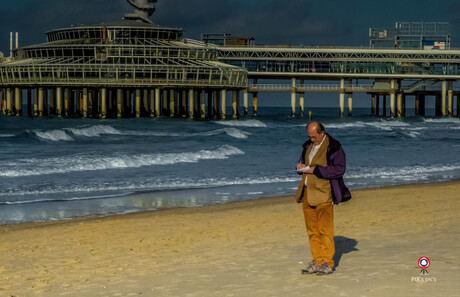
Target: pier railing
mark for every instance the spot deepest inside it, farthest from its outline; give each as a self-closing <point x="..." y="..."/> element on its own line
<point x="309" y="87"/>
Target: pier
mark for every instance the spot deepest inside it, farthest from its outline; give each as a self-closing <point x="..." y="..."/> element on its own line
<point x="134" y="68"/>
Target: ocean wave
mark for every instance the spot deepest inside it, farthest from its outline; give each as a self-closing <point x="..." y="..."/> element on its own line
<point x="412" y="134"/>
<point x="131" y="187"/>
<point x="406" y="173"/>
<point x="94" y="131"/>
<point x="85" y="162"/>
<point x="68" y="134"/>
<point x="443" y="120"/>
<point x="345" y="125"/>
<point x="232" y="132"/>
<point x="7" y="135"/>
<point x="243" y="123"/>
<point x="52" y="135"/>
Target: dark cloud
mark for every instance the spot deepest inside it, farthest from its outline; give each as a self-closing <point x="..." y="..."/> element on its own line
<point x="307" y="22"/>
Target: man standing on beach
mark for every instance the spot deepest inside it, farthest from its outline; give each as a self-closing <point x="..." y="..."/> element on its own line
<point x="322" y="185"/>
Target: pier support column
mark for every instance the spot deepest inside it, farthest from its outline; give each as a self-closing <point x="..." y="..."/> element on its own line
<point x="235" y="99"/>
<point x="137" y="103"/>
<point x="443" y="98"/>
<point x="145" y="112"/>
<point x="59" y="101"/>
<point x="293" y="103"/>
<point x="17" y="101"/>
<point x="164" y="103"/>
<point x="215" y="104"/>
<point x="372" y="105"/>
<point x="450" y="100"/>
<point x="417" y="105"/>
<point x="85" y="103"/>
<point x="119" y="103"/>
<point x="157" y="102"/>
<point x="32" y="104"/>
<point x="172" y="103"/>
<point x="103" y="103"/>
<point x="350" y="104"/>
<point x="79" y="103"/>
<point x="392" y="98"/>
<point x="67" y="94"/>
<point x="202" y="104"/>
<point x="152" y="103"/>
<point x="183" y="104"/>
<point x="245" y="102"/>
<point x="223" y="103"/>
<point x="8" y="101"/>
<point x="293" y="96"/>
<point x="400" y="105"/>
<point x="254" y="104"/>
<point x="191" y="106"/>
<point x="342" y="97"/>
<point x="302" y="104"/>
<point x="40" y="102"/>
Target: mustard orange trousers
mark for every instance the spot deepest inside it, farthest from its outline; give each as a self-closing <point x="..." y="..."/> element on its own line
<point x="320" y="229"/>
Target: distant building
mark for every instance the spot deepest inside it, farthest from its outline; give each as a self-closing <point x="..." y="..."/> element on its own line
<point x="227" y="40"/>
<point x="413" y="35"/>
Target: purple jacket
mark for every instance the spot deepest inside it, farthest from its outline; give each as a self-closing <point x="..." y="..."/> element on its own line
<point x="334" y="171"/>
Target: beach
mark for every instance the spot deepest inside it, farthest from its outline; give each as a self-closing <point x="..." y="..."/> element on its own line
<point x="247" y="248"/>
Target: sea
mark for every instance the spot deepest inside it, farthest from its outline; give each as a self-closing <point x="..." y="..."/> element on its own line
<point x="60" y="169"/>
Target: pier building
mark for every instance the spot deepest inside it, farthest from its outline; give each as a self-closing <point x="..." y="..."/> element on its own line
<point x="130" y="67"/>
<point x="133" y="68"/>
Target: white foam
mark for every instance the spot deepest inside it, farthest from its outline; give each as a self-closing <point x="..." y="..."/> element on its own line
<point x="406" y="172"/>
<point x="442" y="120"/>
<point x="345" y="125"/>
<point x="7" y="135"/>
<point x="412" y="134"/>
<point x="243" y="123"/>
<point x="150" y="184"/>
<point x="52" y="135"/>
<point x="94" y="131"/>
<point x="232" y="132"/>
<point x="86" y="162"/>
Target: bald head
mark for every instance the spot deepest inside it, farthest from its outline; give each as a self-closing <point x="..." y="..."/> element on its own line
<point x="315" y="132"/>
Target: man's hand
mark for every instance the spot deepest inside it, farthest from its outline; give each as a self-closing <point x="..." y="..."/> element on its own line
<point x="310" y="171"/>
<point x="300" y="166"/>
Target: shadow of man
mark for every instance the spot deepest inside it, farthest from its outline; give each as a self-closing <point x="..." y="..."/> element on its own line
<point x="343" y="245"/>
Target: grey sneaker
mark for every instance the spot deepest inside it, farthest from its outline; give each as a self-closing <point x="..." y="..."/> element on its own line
<point x="325" y="269"/>
<point x="311" y="268"/>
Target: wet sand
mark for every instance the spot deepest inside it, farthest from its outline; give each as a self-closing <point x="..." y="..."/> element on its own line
<point x="250" y="248"/>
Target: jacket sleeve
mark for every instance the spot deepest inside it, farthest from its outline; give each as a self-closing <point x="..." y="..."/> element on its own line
<point x="335" y="169"/>
<point x="301" y="159"/>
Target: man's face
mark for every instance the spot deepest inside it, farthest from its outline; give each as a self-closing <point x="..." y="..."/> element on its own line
<point x="315" y="137"/>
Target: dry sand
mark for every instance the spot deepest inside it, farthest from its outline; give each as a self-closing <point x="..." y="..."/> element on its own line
<point x="252" y="248"/>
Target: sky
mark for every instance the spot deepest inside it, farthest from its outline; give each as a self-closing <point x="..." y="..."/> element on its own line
<point x="296" y="22"/>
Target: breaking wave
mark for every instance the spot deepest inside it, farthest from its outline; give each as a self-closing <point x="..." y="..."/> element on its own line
<point x="86" y="162"/>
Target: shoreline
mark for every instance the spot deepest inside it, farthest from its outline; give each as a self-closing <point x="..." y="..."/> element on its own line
<point x="243" y="248"/>
<point x="215" y="206"/>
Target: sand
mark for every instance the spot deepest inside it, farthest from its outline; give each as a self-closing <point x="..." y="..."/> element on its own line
<point x="251" y="248"/>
